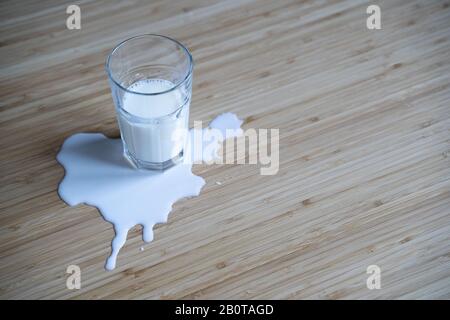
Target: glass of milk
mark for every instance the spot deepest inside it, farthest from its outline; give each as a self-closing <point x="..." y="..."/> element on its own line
<point x="151" y="83"/>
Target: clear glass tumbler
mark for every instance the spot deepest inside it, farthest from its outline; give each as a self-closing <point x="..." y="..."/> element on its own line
<point x="151" y="83"/>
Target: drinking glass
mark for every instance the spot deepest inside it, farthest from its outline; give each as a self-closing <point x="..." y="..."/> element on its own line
<point x="151" y="83"/>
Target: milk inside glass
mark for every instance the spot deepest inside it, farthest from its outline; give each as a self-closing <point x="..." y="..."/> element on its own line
<point x="153" y="126"/>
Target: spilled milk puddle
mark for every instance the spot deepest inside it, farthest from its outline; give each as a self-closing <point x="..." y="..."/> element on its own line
<point x="97" y="174"/>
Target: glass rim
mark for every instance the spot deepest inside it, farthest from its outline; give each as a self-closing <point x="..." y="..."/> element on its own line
<point x="151" y="35"/>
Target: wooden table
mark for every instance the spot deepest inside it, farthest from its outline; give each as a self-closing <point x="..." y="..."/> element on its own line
<point x="364" y="179"/>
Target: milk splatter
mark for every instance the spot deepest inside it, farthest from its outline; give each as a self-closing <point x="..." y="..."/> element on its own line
<point x="226" y="121"/>
<point x="98" y="175"/>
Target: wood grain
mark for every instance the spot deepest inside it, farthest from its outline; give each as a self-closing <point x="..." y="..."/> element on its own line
<point x="364" y="119"/>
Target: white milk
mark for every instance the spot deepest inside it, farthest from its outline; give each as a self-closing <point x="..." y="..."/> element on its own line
<point x="154" y="140"/>
<point x="98" y="175"/>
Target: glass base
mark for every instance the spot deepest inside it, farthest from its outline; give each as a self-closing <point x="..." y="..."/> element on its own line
<point x="159" y="166"/>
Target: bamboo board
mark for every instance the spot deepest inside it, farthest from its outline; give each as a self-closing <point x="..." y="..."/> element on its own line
<point x="364" y="119"/>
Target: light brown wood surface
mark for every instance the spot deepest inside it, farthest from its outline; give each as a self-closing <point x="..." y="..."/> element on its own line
<point x="364" y="119"/>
